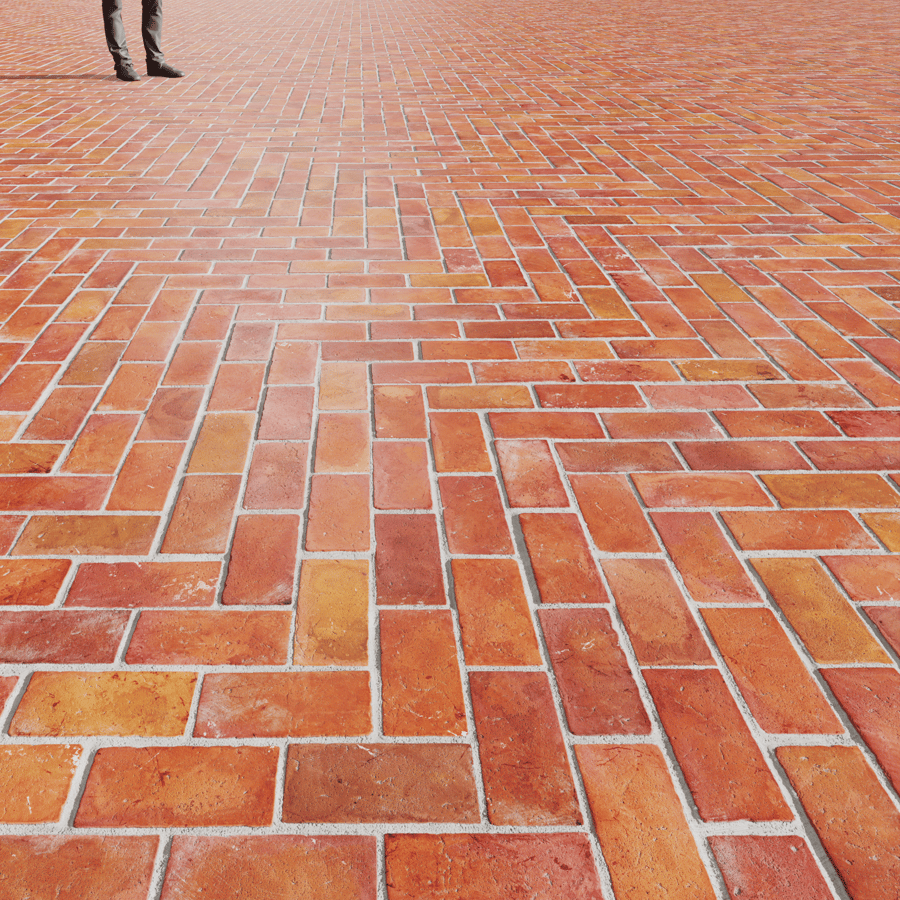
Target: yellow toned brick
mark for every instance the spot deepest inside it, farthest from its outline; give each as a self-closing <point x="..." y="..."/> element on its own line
<point x="107" y="703"/>
<point x="34" y="781"/>
<point x="332" y="613"/>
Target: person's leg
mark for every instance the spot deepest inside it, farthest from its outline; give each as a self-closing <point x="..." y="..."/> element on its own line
<point x="115" y="40"/>
<point x="115" y="32"/>
<point x="151" y="30"/>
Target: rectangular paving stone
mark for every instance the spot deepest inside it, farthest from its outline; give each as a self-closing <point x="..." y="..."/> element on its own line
<point x="614" y="518"/>
<point x="711" y="570"/>
<point x="871" y="698"/>
<point x="474" y="518"/>
<point x="494" y="619"/>
<point x="284" y="704"/>
<point x="826" y="623"/>
<point x="407" y="560"/>
<point x="723" y="766"/>
<point x="645" y="839"/>
<point x="660" y="626"/>
<point x="769" y="866"/>
<point x="421" y="685"/>
<point x="207" y="637"/>
<point x="537" y="866"/>
<point x="401" y="476"/>
<point x="263" y="560"/>
<point x="564" y="569"/>
<point x="379" y="783"/>
<point x="598" y="691"/>
<point x="526" y="774"/>
<point x="332" y="613"/>
<point x="108" y="703"/>
<point x="861" y="840"/>
<point x="255" y="867"/>
<point x="769" y="673"/>
<point x="36" y="780"/>
<point x="31" y="582"/>
<point x="128" y="585"/>
<point x="61" y="636"/>
<point x="77" y="866"/>
<point x="530" y="474"/>
<point x="867" y="579"/>
<point x="88" y="535"/>
<point x="146" y="787"/>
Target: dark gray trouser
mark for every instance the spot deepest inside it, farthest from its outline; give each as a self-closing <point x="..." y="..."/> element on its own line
<point x="151" y="31"/>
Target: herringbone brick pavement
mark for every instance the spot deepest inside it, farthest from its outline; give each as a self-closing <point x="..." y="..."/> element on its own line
<point x="450" y="450"/>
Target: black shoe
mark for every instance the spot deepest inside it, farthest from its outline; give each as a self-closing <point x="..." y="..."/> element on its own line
<point x="163" y="70"/>
<point x="126" y="72"/>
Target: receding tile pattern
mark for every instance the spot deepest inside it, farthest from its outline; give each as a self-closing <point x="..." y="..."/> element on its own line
<point x="451" y="450"/>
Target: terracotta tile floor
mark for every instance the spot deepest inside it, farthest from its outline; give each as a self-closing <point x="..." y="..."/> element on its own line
<point x="450" y="451"/>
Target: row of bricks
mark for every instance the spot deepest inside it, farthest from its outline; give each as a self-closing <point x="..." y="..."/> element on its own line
<point x="523" y="762"/>
<point x="545" y="332"/>
<point x="652" y="329"/>
<point x="339" y="519"/>
<point x="694" y="320"/>
<point x="420" y="680"/>
<point x="251" y="867"/>
<point x="470" y="261"/>
<point x="194" y="364"/>
<point x="726" y="263"/>
<point x="496" y="865"/>
<point x="401" y="467"/>
<point x="816" y="314"/>
<point x="171" y="410"/>
<point x="135" y="385"/>
<point x="495" y="622"/>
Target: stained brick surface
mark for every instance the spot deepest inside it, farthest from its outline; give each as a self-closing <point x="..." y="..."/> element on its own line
<point x="451" y="450"/>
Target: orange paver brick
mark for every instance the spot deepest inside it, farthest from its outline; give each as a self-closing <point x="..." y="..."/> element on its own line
<point x="724" y="768"/>
<point x="421" y="687"/>
<point x="560" y="558"/>
<point x="278" y="704"/>
<point x="79" y="866"/>
<point x="332" y="626"/>
<point x="861" y="840"/>
<point x="400" y="471"/>
<point x="115" y="703"/>
<point x="825" y="622"/>
<point x="473" y="515"/>
<point x="407" y="560"/>
<point x="643" y="833"/>
<point x="129" y="585"/>
<point x="526" y="773"/>
<point x="763" y="866"/>
<point x="253" y="867"/>
<point x="659" y="623"/>
<point x="711" y="570"/>
<point x="770" y="675"/>
<point x="598" y="691"/>
<point x="380" y="783"/>
<point x="263" y="560"/>
<point x="539" y="866"/>
<point x="497" y="629"/>
<point x="36" y="780"/>
<point x="31" y="582"/>
<point x="179" y="786"/>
